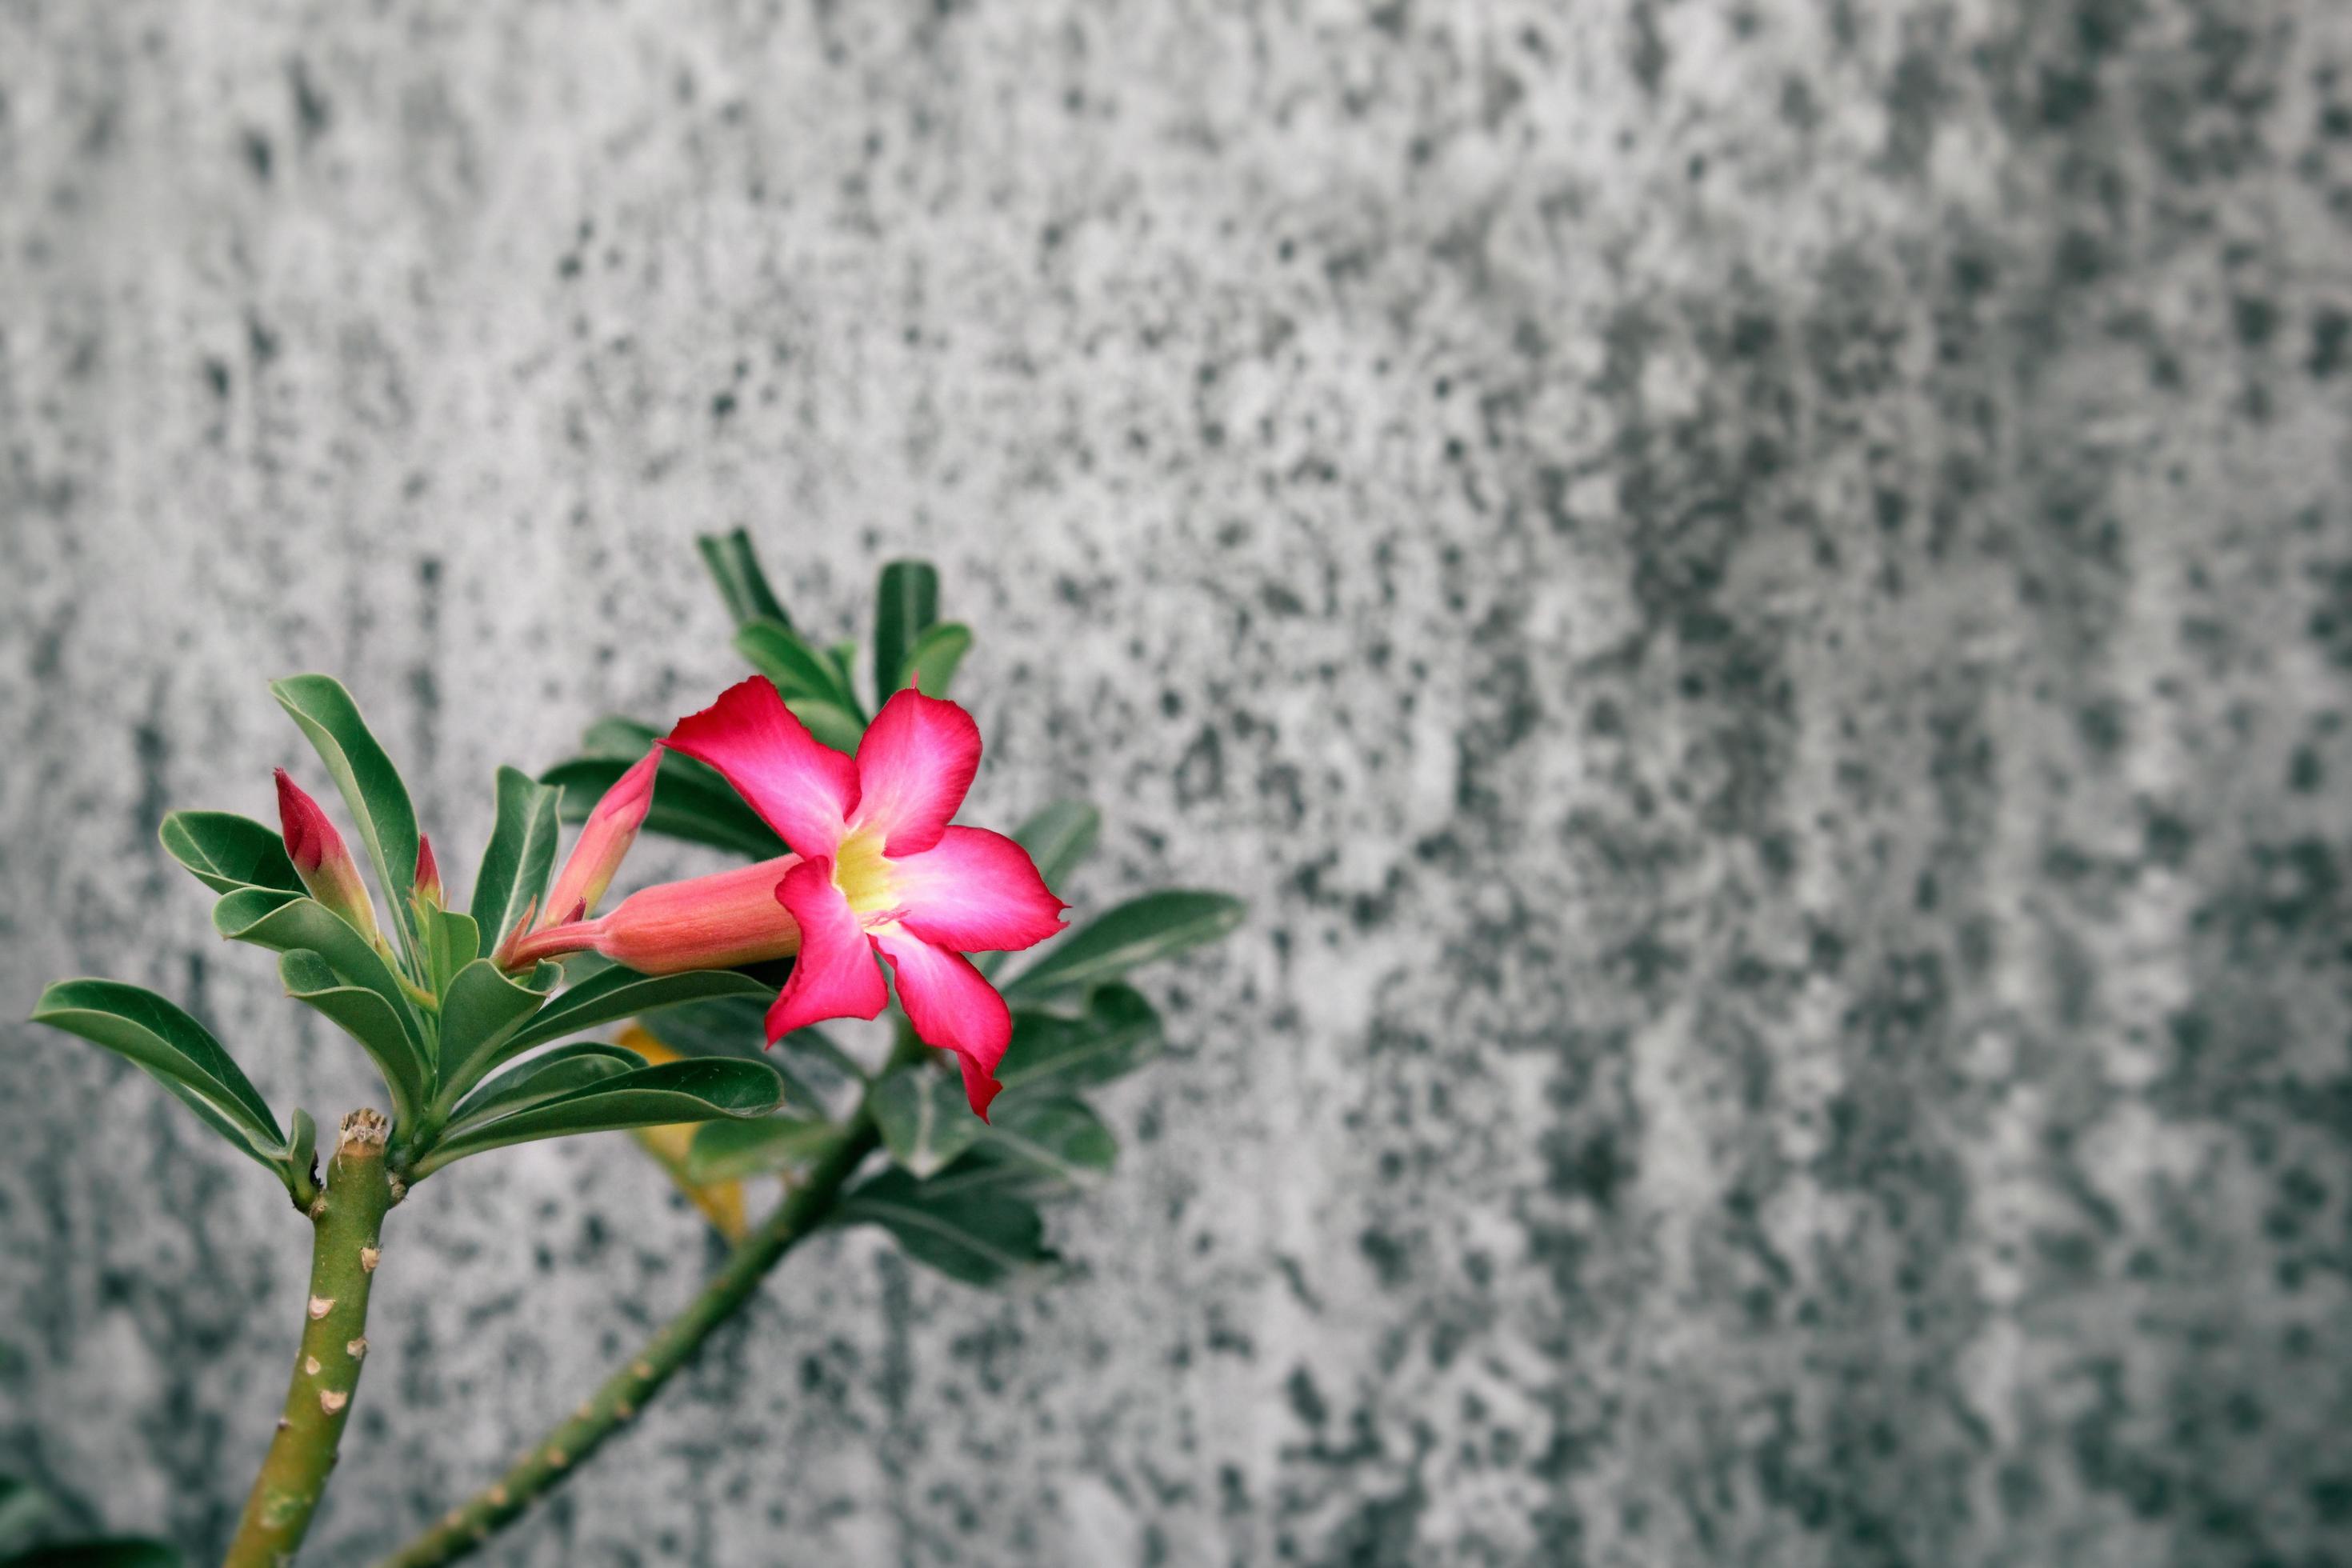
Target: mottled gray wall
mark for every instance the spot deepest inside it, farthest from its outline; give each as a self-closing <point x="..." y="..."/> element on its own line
<point x="1760" y="596"/>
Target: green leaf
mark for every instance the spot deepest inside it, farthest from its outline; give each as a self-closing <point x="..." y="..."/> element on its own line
<point x="908" y="601"/>
<point x="616" y="735"/>
<point x="227" y="851"/>
<point x="543" y="1077"/>
<point x="690" y="802"/>
<point x="979" y="1238"/>
<point x="367" y="1017"/>
<point x="23" y="1506"/>
<point x="649" y="1097"/>
<point x="1049" y="1144"/>
<point x="798" y="670"/>
<point x="620" y="993"/>
<point x="830" y="722"/>
<point x="737" y="1026"/>
<point x="174" y="1049"/>
<point x="282" y="922"/>
<point x="924" y="1118"/>
<point x="519" y="856"/>
<point x="450" y="940"/>
<point x="120" y="1553"/>
<point x="733" y="1151"/>
<point x="1052" y="1055"/>
<point x="481" y="1014"/>
<point x="371" y="785"/>
<point x="302" y="1158"/>
<point x="1141" y="930"/>
<point x="931" y="663"/>
<point x="1057" y="839"/>
<point x="736" y="569"/>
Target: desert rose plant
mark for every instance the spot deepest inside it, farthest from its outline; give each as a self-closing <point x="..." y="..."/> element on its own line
<point x="713" y="986"/>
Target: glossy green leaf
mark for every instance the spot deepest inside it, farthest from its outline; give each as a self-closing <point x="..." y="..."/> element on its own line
<point x="690" y="802"/>
<point x="830" y="722"/>
<point x="979" y="1238"/>
<point x="367" y="1017"/>
<point x="649" y="1097"/>
<point x="519" y="856"/>
<point x="616" y="735"/>
<point x="282" y="922"/>
<point x="797" y="669"/>
<point x="371" y="785"/>
<point x="618" y="992"/>
<point x="114" y="1552"/>
<point x="227" y="851"/>
<point x="931" y="663"/>
<point x="771" y="1145"/>
<point x="1141" y="930"/>
<point x="449" y="942"/>
<point x="1052" y="1142"/>
<point x="737" y="1026"/>
<point x="1052" y="1055"/>
<point x="543" y="1077"/>
<point x="176" y="1050"/>
<point x="302" y="1158"/>
<point x="1058" y="838"/>
<point x="906" y="603"/>
<point x="736" y="569"/>
<point x="484" y="1010"/>
<point x="924" y="1118"/>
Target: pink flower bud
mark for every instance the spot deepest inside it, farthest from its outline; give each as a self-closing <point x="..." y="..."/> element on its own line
<point x="705" y="922"/>
<point x="319" y="858"/>
<point x="612" y="827"/>
<point x="428" y="873"/>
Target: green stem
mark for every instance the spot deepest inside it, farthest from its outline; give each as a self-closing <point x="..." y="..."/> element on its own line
<point x="555" y="1456"/>
<point x="347" y="1225"/>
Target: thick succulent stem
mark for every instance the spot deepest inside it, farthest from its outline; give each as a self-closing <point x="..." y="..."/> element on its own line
<point x="347" y="1223"/>
<point x="560" y="1452"/>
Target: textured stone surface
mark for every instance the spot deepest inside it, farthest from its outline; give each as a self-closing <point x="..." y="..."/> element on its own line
<point x="1761" y="597"/>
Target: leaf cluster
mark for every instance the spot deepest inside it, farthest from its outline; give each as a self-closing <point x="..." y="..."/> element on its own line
<point x="435" y="1016"/>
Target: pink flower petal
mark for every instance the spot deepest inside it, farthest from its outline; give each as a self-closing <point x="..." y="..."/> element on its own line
<point x="913" y="767"/>
<point x="803" y="789"/>
<point x="951" y="1007"/>
<point x="835" y="975"/>
<point x="975" y="891"/>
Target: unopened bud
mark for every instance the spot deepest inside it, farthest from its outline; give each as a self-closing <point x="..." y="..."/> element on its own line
<point x="428" y="874"/>
<point x="604" y="843"/>
<point x="319" y="858"/>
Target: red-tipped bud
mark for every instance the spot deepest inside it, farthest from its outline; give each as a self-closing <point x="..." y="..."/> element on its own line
<point x="428" y="873"/>
<point x="612" y="827"/>
<point x="319" y="858"/>
<point x="705" y="922"/>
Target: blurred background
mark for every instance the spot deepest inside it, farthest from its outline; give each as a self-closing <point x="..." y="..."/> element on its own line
<point x="1758" y="597"/>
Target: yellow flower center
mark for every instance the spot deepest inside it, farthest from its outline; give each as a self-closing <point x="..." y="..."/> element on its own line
<point x="863" y="875"/>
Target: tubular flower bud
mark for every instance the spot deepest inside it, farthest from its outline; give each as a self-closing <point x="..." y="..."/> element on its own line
<point x="319" y="857"/>
<point x="612" y="829"/>
<point x="428" y="873"/>
<point x="704" y="922"/>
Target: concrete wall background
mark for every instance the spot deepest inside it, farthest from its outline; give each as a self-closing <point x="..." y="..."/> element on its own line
<point x="1760" y="596"/>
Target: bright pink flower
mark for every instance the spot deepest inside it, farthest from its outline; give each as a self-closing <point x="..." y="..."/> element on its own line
<point x="612" y="827"/>
<point x="319" y="857"/>
<point x="881" y="871"/>
<point x="705" y="922"/>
